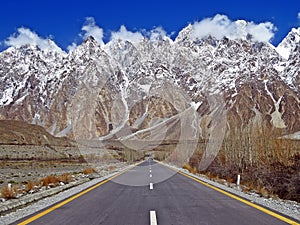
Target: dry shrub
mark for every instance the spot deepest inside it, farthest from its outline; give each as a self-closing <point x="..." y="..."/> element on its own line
<point x="29" y="186"/>
<point x="250" y="185"/>
<point x="9" y="192"/>
<point x="49" y="180"/>
<point x="65" y="178"/>
<point x="245" y="189"/>
<point x="211" y="175"/>
<point x="89" y="171"/>
<point x="189" y="168"/>
<point x="230" y="180"/>
<point x="262" y="191"/>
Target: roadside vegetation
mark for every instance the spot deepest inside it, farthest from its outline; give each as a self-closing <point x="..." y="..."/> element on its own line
<point x="12" y="190"/>
<point x="267" y="163"/>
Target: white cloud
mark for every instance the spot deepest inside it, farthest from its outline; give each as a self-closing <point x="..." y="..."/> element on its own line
<point x="91" y="29"/>
<point x="298" y="15"/>
<point x="157" y="33"/>
<point x="25" y="36"/>
<point x="263" y="32"/>
<point x="124" y="34"/>
<point x="221" y="26"/>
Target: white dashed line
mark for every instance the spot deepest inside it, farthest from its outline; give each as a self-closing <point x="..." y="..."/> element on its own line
<point x="153" y="220"/>
<point x="151" y="186"/>
<point x="150" y="175"/>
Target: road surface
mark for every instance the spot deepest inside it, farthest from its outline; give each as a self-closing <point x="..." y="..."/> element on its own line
<point x="151" y="193"/>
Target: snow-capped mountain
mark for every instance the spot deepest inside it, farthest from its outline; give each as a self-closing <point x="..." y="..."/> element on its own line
<point x="121" y="88"/>
<point x="289" y="43"/>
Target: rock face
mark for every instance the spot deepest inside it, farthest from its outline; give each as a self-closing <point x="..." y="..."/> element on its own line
<point x="122" y="88"/>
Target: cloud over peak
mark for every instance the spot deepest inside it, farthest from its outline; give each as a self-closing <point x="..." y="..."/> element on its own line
<point x="90" y="28"/>
<point x="24" y="36"/>
<point x="157" y="33"/>
<point x="221" y="26"/>
<point x="218" y="26"/>
<point x="126" y="35"/>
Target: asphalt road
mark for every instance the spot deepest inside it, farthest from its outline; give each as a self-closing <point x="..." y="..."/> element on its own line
<point x="174" y="200"/>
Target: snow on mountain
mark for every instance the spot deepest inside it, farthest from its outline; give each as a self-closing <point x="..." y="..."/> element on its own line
<point x="123" y="87"/>
<point x="289" y="43"/>
<point x="27" y="69"/>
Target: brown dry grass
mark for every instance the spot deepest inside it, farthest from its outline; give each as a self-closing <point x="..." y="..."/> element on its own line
<point x="9" y="192"/>
<point x="30" y="186"/>
<point x="65" y="178"/>
<point x="190" y="168"/>
<point x="54" y="180"/>
<point x="230" y="180"/>
<point x="211" y="175"/>
<point x="262" y="191"/>
<point x="46" y="181"/>
<point x="89" y="171"/>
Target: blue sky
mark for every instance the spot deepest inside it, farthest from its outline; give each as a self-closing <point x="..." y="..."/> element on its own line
<point x="62" y="21"/>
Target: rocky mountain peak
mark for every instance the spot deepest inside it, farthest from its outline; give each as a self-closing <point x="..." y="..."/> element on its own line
<point x="289" y="43"/>
<point x="39" y="86"/>
<point x="184" y="34"/>
<point x="90" y="41"/>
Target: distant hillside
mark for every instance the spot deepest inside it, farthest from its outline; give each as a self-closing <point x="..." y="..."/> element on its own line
<point x="20" y="133"/>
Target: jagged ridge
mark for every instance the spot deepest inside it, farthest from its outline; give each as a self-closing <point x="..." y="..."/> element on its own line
<point x="94" y="89"/>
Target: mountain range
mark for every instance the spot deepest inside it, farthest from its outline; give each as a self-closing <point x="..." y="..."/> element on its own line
<point x="125" y="89"/>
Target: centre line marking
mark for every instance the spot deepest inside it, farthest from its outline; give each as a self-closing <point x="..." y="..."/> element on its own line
<point x="151" y="186"/>
<point x="153" y="220"/>
<point x="150" y="170"/>
<point x="150" y="175"/>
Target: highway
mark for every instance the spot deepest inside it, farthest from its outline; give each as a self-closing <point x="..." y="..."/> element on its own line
<point x="151" y="193"/>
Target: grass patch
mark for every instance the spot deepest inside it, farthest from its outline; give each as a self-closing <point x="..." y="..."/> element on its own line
<point x="9" y="192"/>
<point x="65" y="178"/>
<point x="49" y="180"/>
<point x="30" y="186"/>
<point x="89" y="171"/>
<point x="190" y="168"/>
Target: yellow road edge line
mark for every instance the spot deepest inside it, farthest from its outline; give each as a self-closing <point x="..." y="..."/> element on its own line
<point x="39" y="215"/>
<point x="269" y="212"/>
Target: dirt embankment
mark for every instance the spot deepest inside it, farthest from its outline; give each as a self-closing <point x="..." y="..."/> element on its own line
<point x="20" y="133"/>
